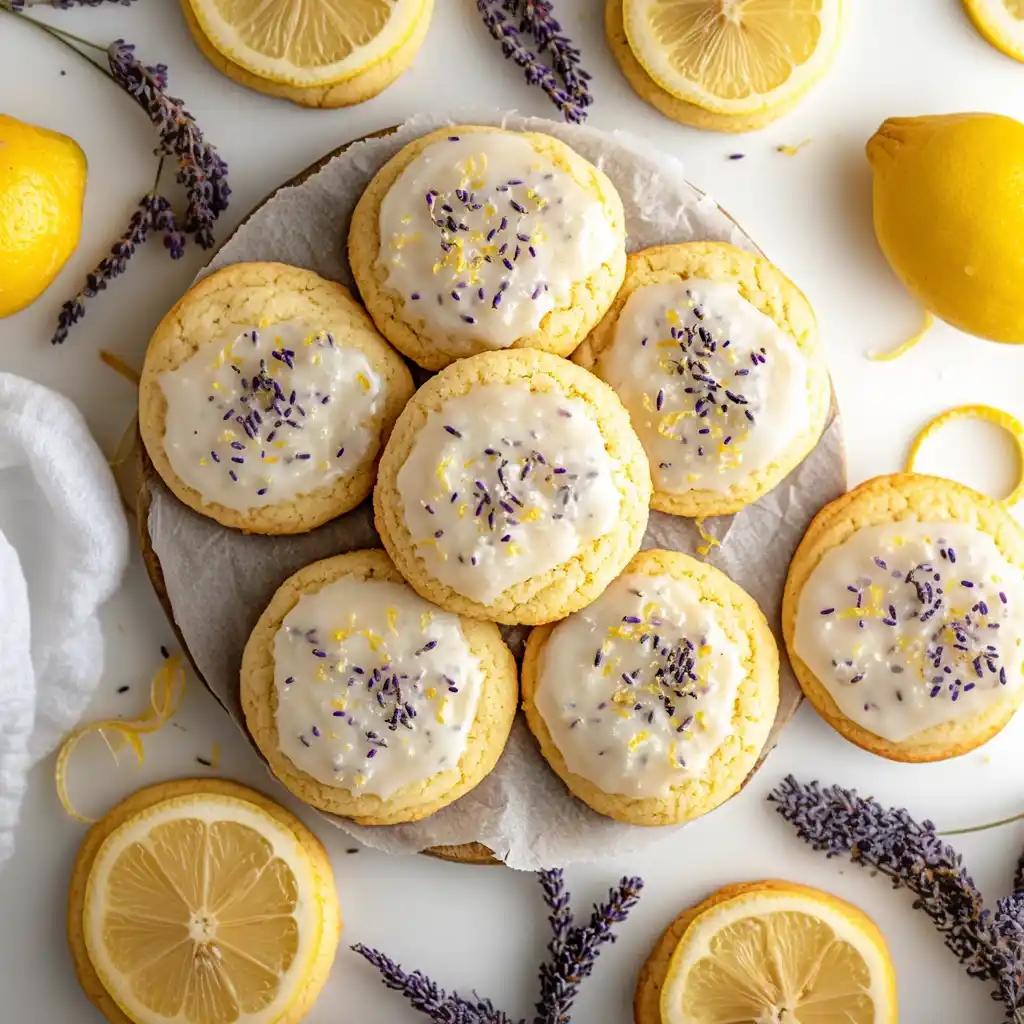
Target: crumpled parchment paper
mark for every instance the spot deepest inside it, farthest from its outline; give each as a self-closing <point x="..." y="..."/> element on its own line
<point x="220" y="580"/>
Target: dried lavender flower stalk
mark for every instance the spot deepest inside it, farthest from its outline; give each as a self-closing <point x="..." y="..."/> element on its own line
<point x="428" y="997"/>
<point x="538" y="20"/>
<point x="573" y="952"/>
<point x="837" y="821"/>
<point x="200" y="169"/>
<point x="111" y="266"/>
<point x="573" y="958"/>
<point x="495" y="15"/>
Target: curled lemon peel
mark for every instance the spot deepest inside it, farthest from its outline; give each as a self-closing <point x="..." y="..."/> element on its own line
<point x="884" y="357"/>
<point x="118" y="365"/>
<point x="793" y="150"/>
<point x="710" y="541"/>
<point x="165" y="695"/>
<point x="1009" y="423"/>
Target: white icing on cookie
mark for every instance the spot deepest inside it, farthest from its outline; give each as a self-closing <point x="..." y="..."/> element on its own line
<point x="261" y="415"/>
<point x="503" y="484"/>
<point x="910" y="625"/>
<point x="714" y="388"/>
<point x="638" y="690"/>
<point x="376" y="688"/>
<point x="482" y="236"/>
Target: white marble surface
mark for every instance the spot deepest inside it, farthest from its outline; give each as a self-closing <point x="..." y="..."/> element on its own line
<point x="484" y="928"/>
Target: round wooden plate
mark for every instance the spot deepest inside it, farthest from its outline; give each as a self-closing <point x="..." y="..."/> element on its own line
<point x="467" y="853"/>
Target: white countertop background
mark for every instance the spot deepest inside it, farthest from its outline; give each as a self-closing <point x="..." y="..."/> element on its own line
<point x="484" y="928"/>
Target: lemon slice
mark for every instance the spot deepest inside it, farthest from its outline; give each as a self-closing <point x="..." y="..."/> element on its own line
<point x="1001" y="22"/>
<point x="213" y="906"/>
<point x="307" y="42"/>
<point x="734" y="56"/>
<point x="774" y="951"/>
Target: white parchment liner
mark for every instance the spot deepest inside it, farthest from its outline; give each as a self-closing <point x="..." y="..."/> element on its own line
<point x="219" y="580"/>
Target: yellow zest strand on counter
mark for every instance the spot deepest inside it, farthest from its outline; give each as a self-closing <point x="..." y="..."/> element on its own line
<point x="710" y="541"/>
<point x="165" y="694"/>
<point x="1002" y="419"/>
<point x="792" y="150"/>
<point x="118" y="365"/>
<point x="884" y="357"/>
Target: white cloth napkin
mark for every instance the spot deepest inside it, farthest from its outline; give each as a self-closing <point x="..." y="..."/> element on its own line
<point x="63" y="550"/>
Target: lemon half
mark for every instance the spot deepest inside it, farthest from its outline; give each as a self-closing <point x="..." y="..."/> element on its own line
<point x="1001" y="22"/>
<point x="734" y="56"/>
<point x="775" y="951"/>
<point x="212" y="906"/>
<point x="307" y="42"/>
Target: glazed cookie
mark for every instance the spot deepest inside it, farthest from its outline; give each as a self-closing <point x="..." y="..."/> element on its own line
<point x="369" y="702"/>
<point x="715" y="354"/>
<point x="903" y="616"/>
<point x="671" y="106"/>
<point x="513" y="488"/>
<point x="475" y="238"/>
<point x="266" y="396"/>
<point x="654" y="703"/>
<point x="361" y="87"/>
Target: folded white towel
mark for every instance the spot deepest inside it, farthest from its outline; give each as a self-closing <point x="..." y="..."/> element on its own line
<point x="63" y="550"/>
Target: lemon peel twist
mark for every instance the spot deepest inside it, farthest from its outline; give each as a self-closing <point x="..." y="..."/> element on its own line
<point x="165" y="695"/>
<point x="988" y="413"/>
<point x="710" y="540"/>
<point x="914" y="339"/>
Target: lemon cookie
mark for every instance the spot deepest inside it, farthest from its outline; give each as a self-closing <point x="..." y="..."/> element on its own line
<point x="251" y="937"/>
<point x="513" y="488"/>
<point x="902" y="616"/>
<point x="266" y="396"/>
<point x="715" y="354"/>
<point x="475" y="238"/>
<point x="370" y="80"/>
<point x="762" y="951"/>
<point x="654" y="703"/>
<point x="368" y="701"/>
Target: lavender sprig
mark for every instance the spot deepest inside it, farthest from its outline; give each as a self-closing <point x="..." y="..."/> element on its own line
<point x="837" y="821"/>
<point x="111" y="266"/>
<point x="571" y="96"/>
<point x="17" y="6"/>
<point x="560" y="977"/>
<point x="538" y="21"/>
<point x="429" y="998"/>
<point x="201" y="170"/>
<point x="573" y="951"/>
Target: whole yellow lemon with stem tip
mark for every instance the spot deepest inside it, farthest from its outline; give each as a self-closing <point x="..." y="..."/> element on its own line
<point x="949" y="216"/>
<point x="42" y="188"/>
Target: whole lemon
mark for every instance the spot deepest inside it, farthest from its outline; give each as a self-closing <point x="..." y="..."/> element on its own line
<point x="949" y="216"/>
<point x="42" y="188"/>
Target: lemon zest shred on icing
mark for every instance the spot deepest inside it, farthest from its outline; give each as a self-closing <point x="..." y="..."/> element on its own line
<point x="118" y="365"/>
<point x="990" y="414"/>
<point x="165" y="695"/>
<point x="899" y="350"/>
<point x="710" y="541"/>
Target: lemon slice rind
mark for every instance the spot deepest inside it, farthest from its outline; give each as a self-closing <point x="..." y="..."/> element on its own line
<point x="847" y="924"/>
<point x="225" y="37"/>
<point x="998" y="26"/>
<point x="207" y="807"/>
<point x="655" y="60"/>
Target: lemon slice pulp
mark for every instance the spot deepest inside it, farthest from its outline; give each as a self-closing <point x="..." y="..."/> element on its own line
<point x="203" y="909"/>
<point x="734" y="56"/>
<point x="1001" y="22"/>
<point x="307" y="42"/>
<point x="783" y="953"/>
